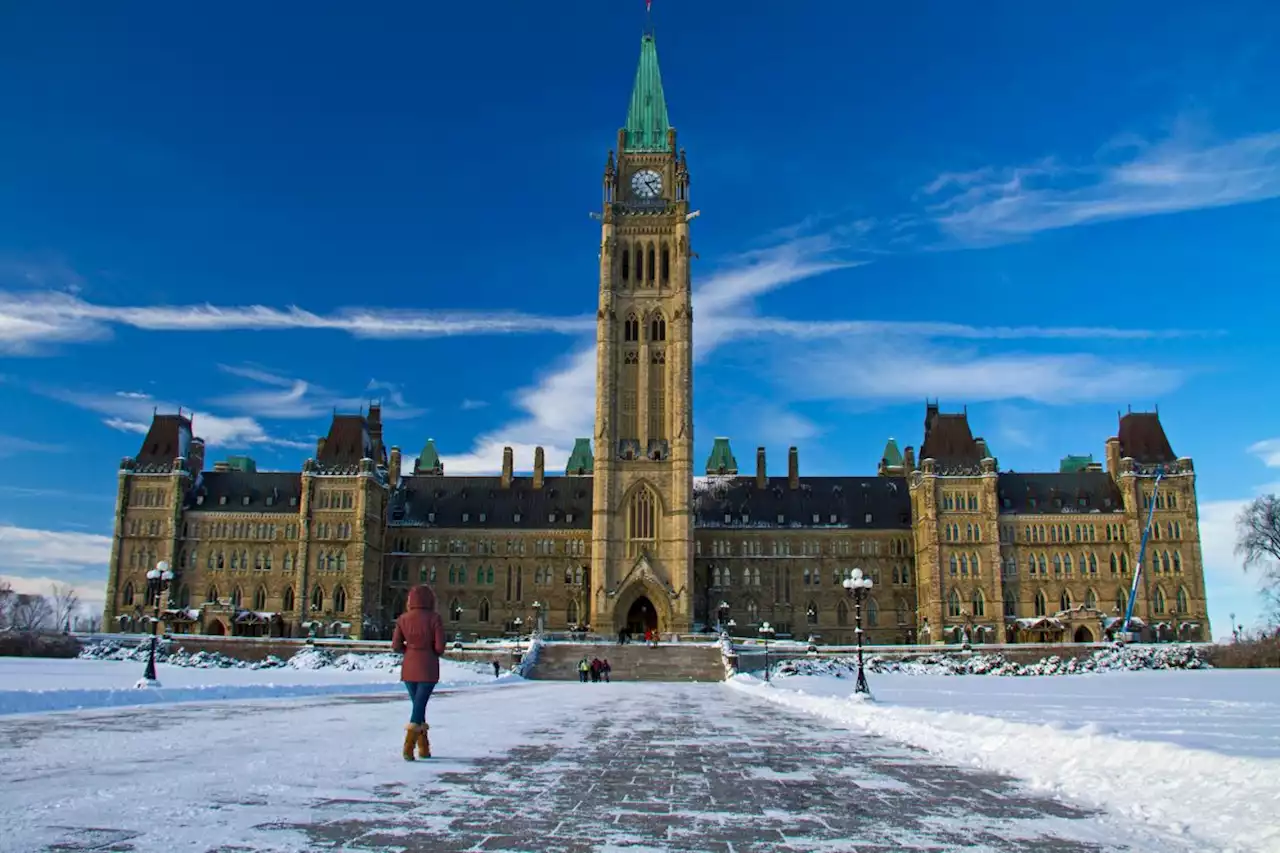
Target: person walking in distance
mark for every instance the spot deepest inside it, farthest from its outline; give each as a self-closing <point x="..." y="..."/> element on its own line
<point x="419" y="635"/>
<point x="496" y="669"/>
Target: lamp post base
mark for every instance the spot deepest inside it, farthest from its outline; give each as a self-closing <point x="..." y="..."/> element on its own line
<point x="145" y="683"/>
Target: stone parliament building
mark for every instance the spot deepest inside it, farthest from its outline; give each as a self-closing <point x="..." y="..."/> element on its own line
<point x="627" y="537"/>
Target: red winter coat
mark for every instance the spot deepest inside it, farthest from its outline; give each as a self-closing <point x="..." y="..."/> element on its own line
<point x="420" y="635"/>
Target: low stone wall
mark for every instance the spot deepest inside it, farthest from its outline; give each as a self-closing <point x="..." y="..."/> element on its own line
<point x="751" y="658"/>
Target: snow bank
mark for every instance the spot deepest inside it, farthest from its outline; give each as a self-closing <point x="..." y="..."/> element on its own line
<point x="105" y="678"/>
<point x="1226" y="803"/>
<point x="1112" y="659"/>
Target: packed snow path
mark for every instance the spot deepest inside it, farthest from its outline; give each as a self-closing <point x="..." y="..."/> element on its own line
<point x="531" y="767"/>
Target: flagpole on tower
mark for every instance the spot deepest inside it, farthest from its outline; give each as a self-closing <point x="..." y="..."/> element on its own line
<point x="648" y="17"/>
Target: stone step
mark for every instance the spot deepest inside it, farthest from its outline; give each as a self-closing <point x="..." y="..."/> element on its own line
<point x="632" y="662"/>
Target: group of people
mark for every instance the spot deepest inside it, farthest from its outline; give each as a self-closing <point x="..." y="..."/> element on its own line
<point x="594" y="669"/>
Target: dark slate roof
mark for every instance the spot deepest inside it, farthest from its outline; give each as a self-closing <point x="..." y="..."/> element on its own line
<point x="347" y="443"/>
<point x="168" y="437"/>
<point x="447" y="498"/>
<point x="849" y="499"/>
<point x="1142" y="438"/>
<point x="1049" y="493"/>
<point x="949" y="441"/>
<point x="235" y="486"/>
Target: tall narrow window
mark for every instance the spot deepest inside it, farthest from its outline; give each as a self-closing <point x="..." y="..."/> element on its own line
<point x="1041" y="604"/>
<point x="642" y="521"/>
<point x="629" y="426"/>
<point x="572" y="615"/>
<point x="658" y="328"/>
<point x="1010" y="603"/>
<point x="639" y="263"/>
<point x="657" y="393"/>
<point x="631" y="329"/>
<point x="1159" y="601"/>
<point x="626" y="264"/>
<point x="212" y="594"/>
<point x="339" y="600"/>
<point x="317" y="599"/>
<point x="287" y="605"/>
<point x="979" y="603"/>
<point x="484" y="610"/>
<point x="127" y="595"/>
<point x="652" y="264"/>
<point x="666" y="264"/>
<point x="1182" y="599"/>
<point x="260" y="598"/>
<point x="235" y="597"/>
<point x="953" y="604"/>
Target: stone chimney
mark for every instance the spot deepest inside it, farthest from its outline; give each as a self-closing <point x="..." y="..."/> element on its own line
<point x="909" y="460"/>
<point x="1113" y="455"/>
<point x="320" y="447"/>
<point x="539" y="467"/>
<point x="195" y="456"/>
<point x="762" y="478"/>
<point x="508" y="464"/>
<point x="393" y="472"/>
<point x="793" y="468"/>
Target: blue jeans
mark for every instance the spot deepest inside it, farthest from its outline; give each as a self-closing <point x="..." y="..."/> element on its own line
<point x="419" y="693"/>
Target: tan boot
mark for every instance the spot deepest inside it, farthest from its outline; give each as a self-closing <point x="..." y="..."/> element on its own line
<point x="411" y="734"/>
<point x="424" y="743"/>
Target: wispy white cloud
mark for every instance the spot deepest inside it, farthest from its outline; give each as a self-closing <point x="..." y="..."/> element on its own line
<point x="29" y="321"/>
<point x="23" y="549"/>
<point x="750" y="326"/>
<point x="472" y="405"/>
<point x="893" y="370"/>
<point x="1268" y="451"/>
<point x="1231" y="588"/>
<point x="284" y="398"/>
<point x="1186" y="171"/>
<point x="12" y="445"/>
<point x="131" y="411"/>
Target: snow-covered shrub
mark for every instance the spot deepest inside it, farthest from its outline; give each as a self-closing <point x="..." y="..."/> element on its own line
<point x="1114" y="659"/>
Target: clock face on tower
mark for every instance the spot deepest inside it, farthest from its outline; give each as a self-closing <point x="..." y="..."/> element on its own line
<point x="646" y="183"/>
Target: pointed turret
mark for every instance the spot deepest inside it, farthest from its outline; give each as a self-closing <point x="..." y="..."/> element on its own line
<point x="428" y="462"/>
<point x="647" y="124"/>
<point x="581" y="460"/>
<point x="721" y="460"/>
<point x="891" y="464"/>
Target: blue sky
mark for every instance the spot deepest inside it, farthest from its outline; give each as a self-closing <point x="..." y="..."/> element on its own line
<point x="1045" y="214"/>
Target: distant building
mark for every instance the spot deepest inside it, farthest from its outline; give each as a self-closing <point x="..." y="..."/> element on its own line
<point x="627" y="537"/>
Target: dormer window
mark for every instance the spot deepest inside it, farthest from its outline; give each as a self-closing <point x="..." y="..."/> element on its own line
<point x="551" y="518"/>
<point x="1084" y="502"/>
<point x="782" y="519"/>
<point x="746" y="518"/>
<point x="867" y="518"/>
<point x="483" y="516"/>
<point x="293" y="501"/>
<point x="244" y="501"/>
<point x="270" y="501"/>
<point x="568" y="517"/>
<point x="431" y="517"/>
<point x="1031" y="502"/>
<point x="199" y="500"/>
<point x="1007" y="503"/>
<point x="728" y="519"/>
<point x="466" y="516"/>
<point x="815" y="518"/>
<point x="833" y="518"/>
<point x="222" y="500"/>
<point x="516" y="518"/>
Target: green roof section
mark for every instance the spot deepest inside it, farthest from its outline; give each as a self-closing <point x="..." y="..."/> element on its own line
<point x="892" y="456"/>
<point x="721" y="460"/>
<point x="1073" y="464"/>
<point x="647" y="123"/>
<point x="242" y="463"/>
<point x="581" y="460"/>
<point x="429" y="460"/>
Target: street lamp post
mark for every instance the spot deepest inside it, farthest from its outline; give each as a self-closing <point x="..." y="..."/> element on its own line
<point x="537" y="617"/>
<point x="518" y="622"/>
<point x="766" y="631"/>
<point x="722" y="616"/>
<point x="857" y="585"/>
<point x="158" y="580"/>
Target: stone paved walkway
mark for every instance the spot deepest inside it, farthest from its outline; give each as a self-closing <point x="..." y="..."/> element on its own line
<point x="640" y="767"/>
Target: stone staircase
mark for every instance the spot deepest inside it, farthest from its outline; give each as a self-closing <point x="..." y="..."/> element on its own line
<point x="632" y="662"/>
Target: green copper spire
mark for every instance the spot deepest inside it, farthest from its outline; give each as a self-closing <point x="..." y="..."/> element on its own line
<point x="581" y="461"/>
<point x="892" y="456"/>
<point x="721" y="460"/>
<point x="428" y="461"/>
<point x="647" y="123"/>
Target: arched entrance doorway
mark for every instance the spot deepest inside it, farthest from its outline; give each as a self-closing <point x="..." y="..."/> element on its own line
<point x="216" y="629"/>
<point x="1083" y="635"/>
<point x="642" y="616"/>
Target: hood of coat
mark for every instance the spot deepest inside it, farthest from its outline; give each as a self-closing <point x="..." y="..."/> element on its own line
<point x="422" y="598"/>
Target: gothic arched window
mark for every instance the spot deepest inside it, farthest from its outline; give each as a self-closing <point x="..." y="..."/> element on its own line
<point x="317" y="599"/>
<point x="1010" y="603"/>
<point x="657" y="328"/>
<point x="642" y="520"/>
<point x="288" y="600"/>
<point x="631" y="328"/>
<point x="260" y="598"/>
<point x="1041" y="604"/>
<point x="652" y="263"/>
<point x="626" y="263"/>
<point x="573" y="613"/>
<point x="339" y="600"/>
<point x="953" y="604"/>
<point x="127" y="595"/>
<point x="979" y="603"/>
<point x="484" y="610"/>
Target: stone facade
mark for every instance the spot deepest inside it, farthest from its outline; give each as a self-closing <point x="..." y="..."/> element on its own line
<point x="627" y="537"/>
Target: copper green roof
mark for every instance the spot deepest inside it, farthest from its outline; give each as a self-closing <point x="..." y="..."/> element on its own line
<point x="1072" y="464"/>
<point x="242" y="463"/>
<point x="647" y="123"/>
<point x="721" y="460"/>
<point x="581" y="460"/>
<point x="892" y="456"/>
<point x="429" y="459"/>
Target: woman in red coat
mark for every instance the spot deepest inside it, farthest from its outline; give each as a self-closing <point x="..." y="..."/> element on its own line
<point x="420" y="636"/>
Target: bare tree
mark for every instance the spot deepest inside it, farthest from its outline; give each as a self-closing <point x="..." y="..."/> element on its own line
<point x="65" y="604"/>
<point x="30" y="613"/>
<point x="6" y="603"/>
<point x="1258" y="531"/>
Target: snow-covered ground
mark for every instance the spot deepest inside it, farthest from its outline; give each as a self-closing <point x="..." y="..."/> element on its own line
<point x="1193" y="751"/>
<point x="30" y="685"/>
